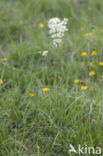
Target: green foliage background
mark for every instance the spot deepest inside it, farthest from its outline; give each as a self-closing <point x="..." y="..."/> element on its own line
<point x="48" y="122"/>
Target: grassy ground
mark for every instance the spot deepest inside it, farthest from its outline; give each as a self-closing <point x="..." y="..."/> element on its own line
<point x="45" y="123"/>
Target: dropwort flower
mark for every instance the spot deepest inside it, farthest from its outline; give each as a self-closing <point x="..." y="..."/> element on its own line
<point x="57" y="29"/>
<point x="45" y="53"/>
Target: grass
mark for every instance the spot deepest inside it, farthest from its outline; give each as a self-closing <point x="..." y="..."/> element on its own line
<point x="46" y="123"/>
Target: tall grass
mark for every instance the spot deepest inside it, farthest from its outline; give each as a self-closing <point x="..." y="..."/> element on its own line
<point x="46" y="123"/>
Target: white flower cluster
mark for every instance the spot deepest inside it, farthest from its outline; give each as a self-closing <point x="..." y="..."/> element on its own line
<point x="57" y="29"/>
<point x="44" y="53"/>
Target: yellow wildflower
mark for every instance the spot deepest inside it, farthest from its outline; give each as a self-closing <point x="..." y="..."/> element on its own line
<point x="91" y="73"/>
<point x="31" y="94"/>
<point x="100" y="63"/>
<point x="93" y="53"/>
<point x="46" y="89"/>
<point x="91" y="64"/>
<point x="84" y="87"/>
<point x="83" y="53"/>
<point x="76" y="81"/>
<point x="1" y="82"/>
<point x="21" y="22"/>
<point x="4" y="59"/>
<point x="102" y="75"/>
<point x="88" y="34"/>
<point x="41" y="25"/>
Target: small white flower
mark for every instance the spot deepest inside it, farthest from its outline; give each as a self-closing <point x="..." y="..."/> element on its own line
<point x="57" y="29"/>
<point x="45" y="53"/>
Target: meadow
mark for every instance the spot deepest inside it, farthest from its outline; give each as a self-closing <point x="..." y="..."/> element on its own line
<point x="50" y="97"/>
